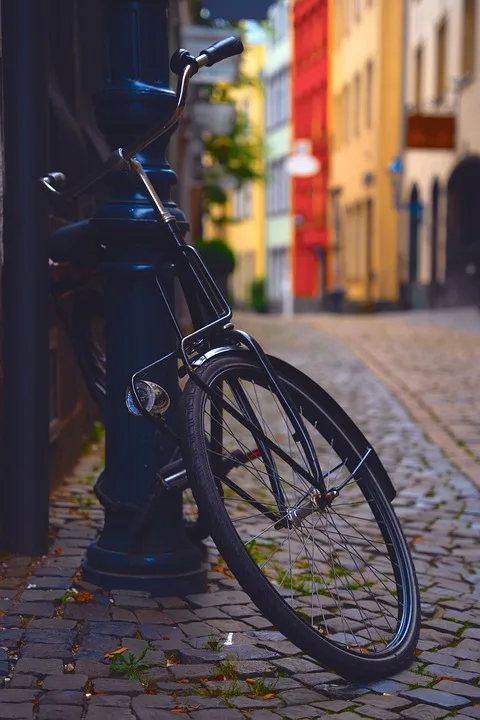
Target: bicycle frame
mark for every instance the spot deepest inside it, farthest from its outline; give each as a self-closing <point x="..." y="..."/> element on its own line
<point x="210" y="312"/>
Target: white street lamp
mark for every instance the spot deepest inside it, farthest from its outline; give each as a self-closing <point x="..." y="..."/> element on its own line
<point x="301" y="163"/>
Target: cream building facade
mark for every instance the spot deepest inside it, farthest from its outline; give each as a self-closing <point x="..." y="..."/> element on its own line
<point x="365" y="56"/>
<point x="440" y="257"/>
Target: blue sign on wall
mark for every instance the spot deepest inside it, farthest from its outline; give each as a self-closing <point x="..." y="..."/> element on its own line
<point x="238" y="9"/>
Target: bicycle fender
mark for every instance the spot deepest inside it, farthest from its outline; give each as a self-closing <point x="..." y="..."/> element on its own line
<point x="354" y="433"/>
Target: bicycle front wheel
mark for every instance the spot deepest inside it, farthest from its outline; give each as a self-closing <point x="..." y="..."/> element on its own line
<point x="336" y="579"/>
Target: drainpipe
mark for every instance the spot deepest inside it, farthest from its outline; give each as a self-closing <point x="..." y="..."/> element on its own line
<point x="25" y="482"/>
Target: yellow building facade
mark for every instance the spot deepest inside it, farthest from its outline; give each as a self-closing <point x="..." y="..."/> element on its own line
<point x="246" y="236"/>
<point x="365" y="129"/>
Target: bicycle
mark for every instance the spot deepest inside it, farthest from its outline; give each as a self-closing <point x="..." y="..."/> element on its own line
<point x="294" y="497"/>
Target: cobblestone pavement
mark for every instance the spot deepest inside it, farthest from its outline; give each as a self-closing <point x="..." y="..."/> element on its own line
<point x="430" y="360"/>
<point x="54" y="645"/>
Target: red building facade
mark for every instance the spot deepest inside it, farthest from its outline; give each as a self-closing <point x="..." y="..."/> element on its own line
<point x="309" y="113"/>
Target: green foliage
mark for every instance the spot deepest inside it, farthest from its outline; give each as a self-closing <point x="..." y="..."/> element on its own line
<point x="217" y="256"/>
<point x="258" y="295"/>
<point x="129" y="665"/>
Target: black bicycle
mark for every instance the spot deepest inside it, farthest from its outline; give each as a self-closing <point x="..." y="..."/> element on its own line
<point x="293" y="495"/>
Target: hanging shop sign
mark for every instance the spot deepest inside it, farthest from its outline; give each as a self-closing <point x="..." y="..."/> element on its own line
<point x="431" y="132"/>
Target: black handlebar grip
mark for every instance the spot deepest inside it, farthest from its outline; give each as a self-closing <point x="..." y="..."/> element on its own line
<point x="223" y="49"/>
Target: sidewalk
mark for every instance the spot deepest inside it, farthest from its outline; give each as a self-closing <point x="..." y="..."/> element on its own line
<point x="53" y="657"/>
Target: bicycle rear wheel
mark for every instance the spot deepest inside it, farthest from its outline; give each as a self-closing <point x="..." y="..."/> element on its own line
<point x="338" y="579"/>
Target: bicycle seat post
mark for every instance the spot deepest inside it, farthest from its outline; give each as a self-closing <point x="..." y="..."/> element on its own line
<point x="139" y="329"/>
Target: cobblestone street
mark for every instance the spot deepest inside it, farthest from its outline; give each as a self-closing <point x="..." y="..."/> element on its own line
<point x="410" y="382"/>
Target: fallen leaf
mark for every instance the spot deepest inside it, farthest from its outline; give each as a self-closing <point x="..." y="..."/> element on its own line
<point x="58" y="550"/>
<point x="149" y="692"/>
<point x="252" y="696"/>
<point x="184" y="681"/>
<point x="112" y="654"/>
<point x="269" y="696"/>
<point x="165" y="637"/>
<point x="83" y="597"/>
<point x="171" y="660"/>
<point x="251" y="681"/>
<point x="218" y="677"/>
<point x="179" y="710"/>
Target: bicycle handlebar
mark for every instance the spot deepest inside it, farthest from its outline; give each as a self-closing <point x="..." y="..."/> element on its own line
<point x="183" y="64"/>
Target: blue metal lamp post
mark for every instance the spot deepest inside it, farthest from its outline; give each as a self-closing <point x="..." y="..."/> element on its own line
<point x="136" y="95"/>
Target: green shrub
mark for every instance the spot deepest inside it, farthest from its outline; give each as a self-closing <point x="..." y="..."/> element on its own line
<point x="258" y="295"/>
<point x="217" y="256"/>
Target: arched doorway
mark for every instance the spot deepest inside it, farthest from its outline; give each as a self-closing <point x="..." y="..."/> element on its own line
<point x="434" y="244"/>
<point x="462" y="282"/>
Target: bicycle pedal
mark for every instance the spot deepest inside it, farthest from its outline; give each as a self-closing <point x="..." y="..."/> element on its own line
<point x="153" y="398"/>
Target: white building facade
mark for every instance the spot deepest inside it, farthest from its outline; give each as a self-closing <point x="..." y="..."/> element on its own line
<point x="440" y="208"/>
<point x="278" y="137"/>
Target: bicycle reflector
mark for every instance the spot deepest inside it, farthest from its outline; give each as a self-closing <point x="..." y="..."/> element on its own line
<point x="153" y="399"/>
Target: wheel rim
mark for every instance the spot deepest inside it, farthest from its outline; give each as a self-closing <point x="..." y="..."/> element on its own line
<point x="340" y="567"/>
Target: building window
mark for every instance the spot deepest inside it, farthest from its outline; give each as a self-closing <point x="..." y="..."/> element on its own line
<point x="242" y="202"/>
<point x="278" y="99"/>
<point x="346" y="115"/>
<point x="278" y="188"/>
<point x="469" y="27"/>
<point x="418" y="77"/>
<point x="356" y="116"/>
<point x="369" y="94"/>
<point x="441" y="88"/>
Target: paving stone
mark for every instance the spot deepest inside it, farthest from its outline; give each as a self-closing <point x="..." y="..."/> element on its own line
<point x="334" y="706"/>
<point x="18" y="696"/>
<point x="439" y="658"/>
<point x="21" y="711"/>
<point x="59" y="712"/>
<point x="220" y="599"/>
<point x="63" y="697"/>
<point x="386" y="686"/>
<point x="301" y="696"/>
<point x="24" y="681"/>
<point x="121" y="615"/>
<point x="87" y="612"/>
<point x="160" y="632"/>
<point x="437" y="697"/>
<point x="106" y="713"/>
<point x="370" y="711"/>
<point x="151" y="617"/>
<point x="131" y="602"/>
<point x="117" y="701"/>
<point x="450" y="672"/>
<point x="37" y="609"/>
<point x="117" y="629"/>
<point x="198" y="630"/>
<point x="56" y="624"/>
<point x="117" y="686"/>
<point x="223" y="714"/>
<point x="92" y="668"/>
<point x="299" y="713"/>
<point x="296" y="665"/>
<point x="151" y="702"/>
<point x="459" y="688"/>
<point x="49" y="636"/>
<point x="246" y="703"/>
<point x="423" y="712"/>
<point x="389" y="702"/>
<point x="38" y="650"/>
<point x="69" y="681"/>
<point x="39" y="667"/>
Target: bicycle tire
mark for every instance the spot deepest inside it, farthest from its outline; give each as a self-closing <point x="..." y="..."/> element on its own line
<point x="353" y="660"/>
